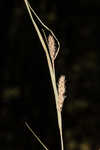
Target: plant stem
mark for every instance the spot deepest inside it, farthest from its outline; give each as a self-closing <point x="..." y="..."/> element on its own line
<point x="52" y="74"/>
<point x="36" y="136"/>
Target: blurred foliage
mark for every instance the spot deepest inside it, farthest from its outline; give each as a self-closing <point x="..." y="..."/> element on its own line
<point x="26" y="91"/>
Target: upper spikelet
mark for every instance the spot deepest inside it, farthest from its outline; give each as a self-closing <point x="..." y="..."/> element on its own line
<point x="51" y="46"/>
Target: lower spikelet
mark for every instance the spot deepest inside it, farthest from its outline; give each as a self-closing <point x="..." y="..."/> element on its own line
<point x="61" y="92"/>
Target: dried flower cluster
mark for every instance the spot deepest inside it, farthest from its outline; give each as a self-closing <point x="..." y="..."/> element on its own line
<point x="61" y="92"/>
<point x="51" y="46"/>
<point x="61" y="83"/>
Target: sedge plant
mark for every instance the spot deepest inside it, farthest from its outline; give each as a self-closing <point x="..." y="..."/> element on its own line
<point x="51" y="51"/>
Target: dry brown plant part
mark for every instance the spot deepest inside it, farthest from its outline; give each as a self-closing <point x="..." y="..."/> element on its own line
<point x="51" y="55"/>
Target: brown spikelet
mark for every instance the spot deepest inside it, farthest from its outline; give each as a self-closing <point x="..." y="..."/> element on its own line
<point x="51" y="45"/>
<point x="61" y="92"/>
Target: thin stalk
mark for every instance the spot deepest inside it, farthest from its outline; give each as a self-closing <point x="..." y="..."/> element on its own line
<point x="36" y="136"/>
<point x="52" y="74"/>
<point x="45" y="28"/>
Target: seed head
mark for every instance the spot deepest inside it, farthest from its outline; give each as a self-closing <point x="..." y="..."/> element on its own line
<point x="61" y="92"/>
<point x="51" y="45"/>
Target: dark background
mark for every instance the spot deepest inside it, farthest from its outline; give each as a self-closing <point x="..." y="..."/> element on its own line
<point x="26" y="92"/>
